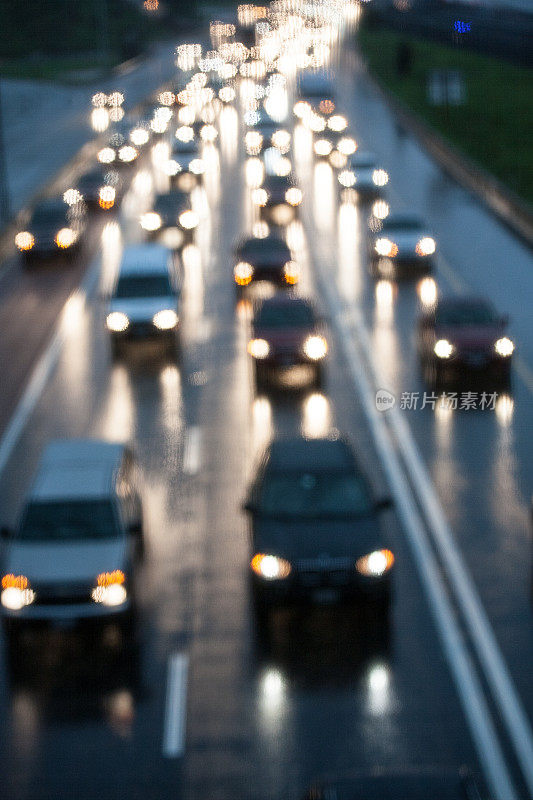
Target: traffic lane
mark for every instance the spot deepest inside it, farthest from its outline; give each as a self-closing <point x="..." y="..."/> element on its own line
<point x="200" y="576"/>
<point x="479" y="248"/>
<point x="479" y="460"/>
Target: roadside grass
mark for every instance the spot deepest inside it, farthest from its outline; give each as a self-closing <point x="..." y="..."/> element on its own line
<point x="494" y="127"/>
<point x="73" y="69"/>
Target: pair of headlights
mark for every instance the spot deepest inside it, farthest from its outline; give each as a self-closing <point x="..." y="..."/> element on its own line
<point x="424" y="247"/>
<point x="165" y="320"/>
<point x="503" y="347"/>
<point x="314" y="347"/>
<point x="293" y="196"/>
<point x="271" y="568"/>
<point x="64" y="238"/>
<point x="109" y="590"/>
<point x="152" y="221"/>
<point x="243" y="273"/>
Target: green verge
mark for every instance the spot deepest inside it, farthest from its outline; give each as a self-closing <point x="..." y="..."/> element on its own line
<point x="494" y="125"/>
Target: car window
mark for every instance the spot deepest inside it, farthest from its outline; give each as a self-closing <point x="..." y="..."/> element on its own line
<point x="480" y="314"/>
<point x="314" y="494"/>
<point x="291" y="315"/>
<point x="130" y="286"/>
<point x="60" y="521"/>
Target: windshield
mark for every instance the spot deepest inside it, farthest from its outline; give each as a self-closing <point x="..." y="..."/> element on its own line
<point x="49" y="215"/>
<point x="402" y="224"/>
<point x="262" y="247"/>
<point x="144" y="286"/>
<point x="320" y="494"/>
<point x="479" y="314"/>
<point x="185" y="147"/>
<point x="62" y="522"/>
<point x="167" y="203"/>
<point x="289" y="315"/>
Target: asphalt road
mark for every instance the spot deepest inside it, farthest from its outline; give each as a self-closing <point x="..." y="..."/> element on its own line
<point x="336" y="690"/>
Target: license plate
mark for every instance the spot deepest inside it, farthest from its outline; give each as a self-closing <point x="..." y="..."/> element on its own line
<point x="326" y="596"/>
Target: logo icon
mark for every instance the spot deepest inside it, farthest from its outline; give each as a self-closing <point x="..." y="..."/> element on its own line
<point x="385" y="400"/>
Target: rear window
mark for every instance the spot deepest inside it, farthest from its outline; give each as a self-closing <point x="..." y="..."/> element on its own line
<point x="66" y="522"/>
<point x="131" y="286"/>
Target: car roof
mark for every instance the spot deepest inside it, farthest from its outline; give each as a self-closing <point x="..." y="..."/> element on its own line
<point x="145" y="259"/>
<point x="76" y="469"/>
<point x="317" y="455"/>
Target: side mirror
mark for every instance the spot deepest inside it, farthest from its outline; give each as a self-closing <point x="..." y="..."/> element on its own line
<point x="383" y="504"/>
<point x="5" y="532"/>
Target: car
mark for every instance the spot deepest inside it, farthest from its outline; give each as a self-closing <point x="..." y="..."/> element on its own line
<point x="287" y="339"/>
<point x="172" y="220"/>
<point x="464" y="336"/>
<point x="73" y="554"/>
<point x="145" y="302"/>
<point x="264" y="133"/>
<point x="118" y="150"/>
<point x="264" y="259"/>
<point x="402" y="245"/>
<point x="100" y="188"/>
<point x="55" y="228"/>
<point x="316" y="528"/>
<point x="316" y="94"/>
<point x="362" y="180"/>
<point x="334" y="144"/>
<point x="278" y="200"/>
<point x="185" y="166"/>
<point x="415" y="784"/>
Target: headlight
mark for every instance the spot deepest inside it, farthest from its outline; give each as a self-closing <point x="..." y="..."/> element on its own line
<point x="139" y="136"/>
<point x="127" y="154"/>
<point x="227" y="94"/>
<point x="504" y="347"/>
<point x="323" y="147"/>
<point x="291" y="273"/>
<point x="165" y="320"/>
<point x="443" y="348"/>
<point x="106" y="197"/>
<point x="326" y="106"/>
<point x="117" y="321"/>
<point x="171" y="167"/>
<point x="188" y="220"/>
<point x="24" y="240"/>
<point x="293" y="196"/>
<point x="72" y="196"/>
<point x="185" y="133"/>
<point x="347" y="146"/>
<point x="258" y="348"/>
<point x="384" y="247"/>
<point x="281" y="140"/>
<point x="375" y="564"/>
<point x="197" y="166"/>
<point x="337" y="159"/>
<point x="301" y="108"/>
<point x="380" y="177"/>
<point x="151" y="221"/>
<point x="242" y="273"/>
<point x="347" y="178"/>
<point x="110" y="589"/>
<point x="426" y="246"/>
<point x="106" y="155"/>
<point x="271" y="568"/>
<point x="16" y="592"/>
<point x="260" y="197"/>
<point x="337" y="123"/>
<point x="253" y="141"/>
<point x="208" y="133"/>
<point x="65" y="238"/>
<point x="315" y="347"/>
<point x="380" y="209"/>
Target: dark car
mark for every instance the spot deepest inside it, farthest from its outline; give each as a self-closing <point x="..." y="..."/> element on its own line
<point x="287" y="336"/>
<point x="278" y="200"/>
<point x="335" y="144"/>
<point x="118" y="149"/>
<point x="267" y="259"/>
<point x="463" y="336"/>
<point x="186" y="166"/>
<point x="402" y="245"/>
<point x="172" y="220"/>
<point x="263" y="133"/>
<point x="54" y="228"/>
<point x="316" y="527"/>
<point x="415" y="784"/>
<point x="100" y="188"/>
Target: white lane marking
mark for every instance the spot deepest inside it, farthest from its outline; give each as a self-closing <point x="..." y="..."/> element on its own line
<point x="467" y="683"/>
<point x="175" y="706"/>
<point x="192" y="450"/>
<point x="44" y="368"/>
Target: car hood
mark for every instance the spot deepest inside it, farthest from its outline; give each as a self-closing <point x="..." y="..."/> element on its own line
<point x="267" y="260"/>
<point x="480" y="337"/>
<point x="54" y="562"/>
<point x="317" y="538"/>
<point x="142" y="309"/>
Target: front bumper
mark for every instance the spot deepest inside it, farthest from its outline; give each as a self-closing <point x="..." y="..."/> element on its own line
<point x="401" y="265"/>
<point x="319" y="586"/>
